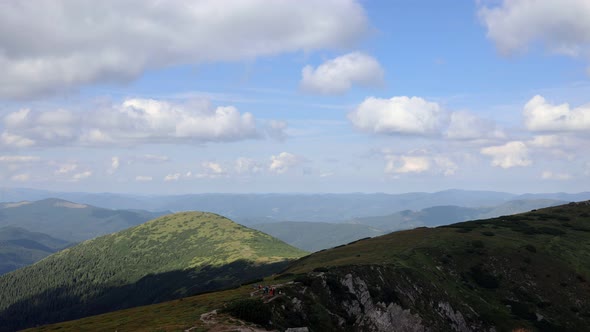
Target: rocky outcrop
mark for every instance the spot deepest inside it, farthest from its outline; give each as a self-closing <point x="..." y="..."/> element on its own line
<point x="372" y="298"/>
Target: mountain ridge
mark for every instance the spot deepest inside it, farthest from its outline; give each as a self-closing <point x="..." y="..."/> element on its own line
<point x="524" y="272"/>
<point x="327" y="207"/>
<point x="68" y="220"/>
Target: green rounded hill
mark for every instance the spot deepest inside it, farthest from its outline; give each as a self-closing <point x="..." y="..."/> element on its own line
<point x="169" y="257"/>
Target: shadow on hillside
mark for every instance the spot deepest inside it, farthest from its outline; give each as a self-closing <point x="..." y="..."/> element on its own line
<point x="60" y="304"/>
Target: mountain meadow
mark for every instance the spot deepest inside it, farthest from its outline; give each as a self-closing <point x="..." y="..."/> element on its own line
<point x="524" y="272"/>
<point x="170" y="257"/>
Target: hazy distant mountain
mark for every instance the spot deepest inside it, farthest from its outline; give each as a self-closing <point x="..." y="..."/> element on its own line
<point x="169" y="257"/>
<point x="70" y="221"/>
<point x="444" y="215"/>
<point x="19" y="247"/>
<point x="251" y="209"/>
<point x="314" y="236"/>
<point x="522" y="205"/>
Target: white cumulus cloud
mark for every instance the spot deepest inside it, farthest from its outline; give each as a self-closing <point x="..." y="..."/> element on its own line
<point x="511" y="154"/>
<point x="398" y="115"/>
<point x="284" y="161"/>
<point x="419" y="162"/>
<point x="407" y="164"/>
<point x="52" y="46"/>
<point x="539" y="115"/>
<point x="337" y="75"/>
<point x="134" y="121"/>
<point x="210" y="170"/>
<point x="562" y="26"/>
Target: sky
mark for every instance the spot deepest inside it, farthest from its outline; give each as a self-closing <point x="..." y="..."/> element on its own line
<point x="253" y="96"/>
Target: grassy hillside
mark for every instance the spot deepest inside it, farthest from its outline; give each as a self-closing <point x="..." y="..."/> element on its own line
<point x="19" y="247"/>
<point x="527" y="272"/>
<point x="170" y="257"/>
<point x="69" y="221"/>
<point x="314" y="236"/>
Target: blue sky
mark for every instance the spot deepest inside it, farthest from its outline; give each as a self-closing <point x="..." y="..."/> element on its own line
<point x="295" y="96"/>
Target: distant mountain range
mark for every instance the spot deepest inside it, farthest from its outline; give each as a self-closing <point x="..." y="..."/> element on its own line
<point x="444" y="215"/>
<point x="73" y="222"/>
<point x="260" y="208"/>
<point x="314" y="236"/>
<point x="19" y="247"/>
<point x="30" y="231"/>
<point x="169" y="257"/>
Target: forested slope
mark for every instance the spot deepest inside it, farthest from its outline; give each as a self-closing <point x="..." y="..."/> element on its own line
<point x="170" y="257"/>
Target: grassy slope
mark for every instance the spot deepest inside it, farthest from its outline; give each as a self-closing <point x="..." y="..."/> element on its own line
<point x="403" y="247"/>
<point x="176" y="315"/>
<point x="548" y="250"/>
<point x="314" y="236"/>
<point x="69" y="221"/>
<point x="155" y="254"/>
<point x="506" y="269"/>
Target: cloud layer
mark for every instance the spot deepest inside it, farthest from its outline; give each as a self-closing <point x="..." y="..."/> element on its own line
<point x="402" y="115"/>
<point x="134" y="121"/>
<point x="73" y="43"/>
<point x="539" y="115"/>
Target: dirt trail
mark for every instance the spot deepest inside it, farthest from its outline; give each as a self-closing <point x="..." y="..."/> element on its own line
<point x="215" y="322"/>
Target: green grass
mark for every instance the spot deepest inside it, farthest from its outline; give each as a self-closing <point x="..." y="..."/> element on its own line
<point x="176" y="315"/>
